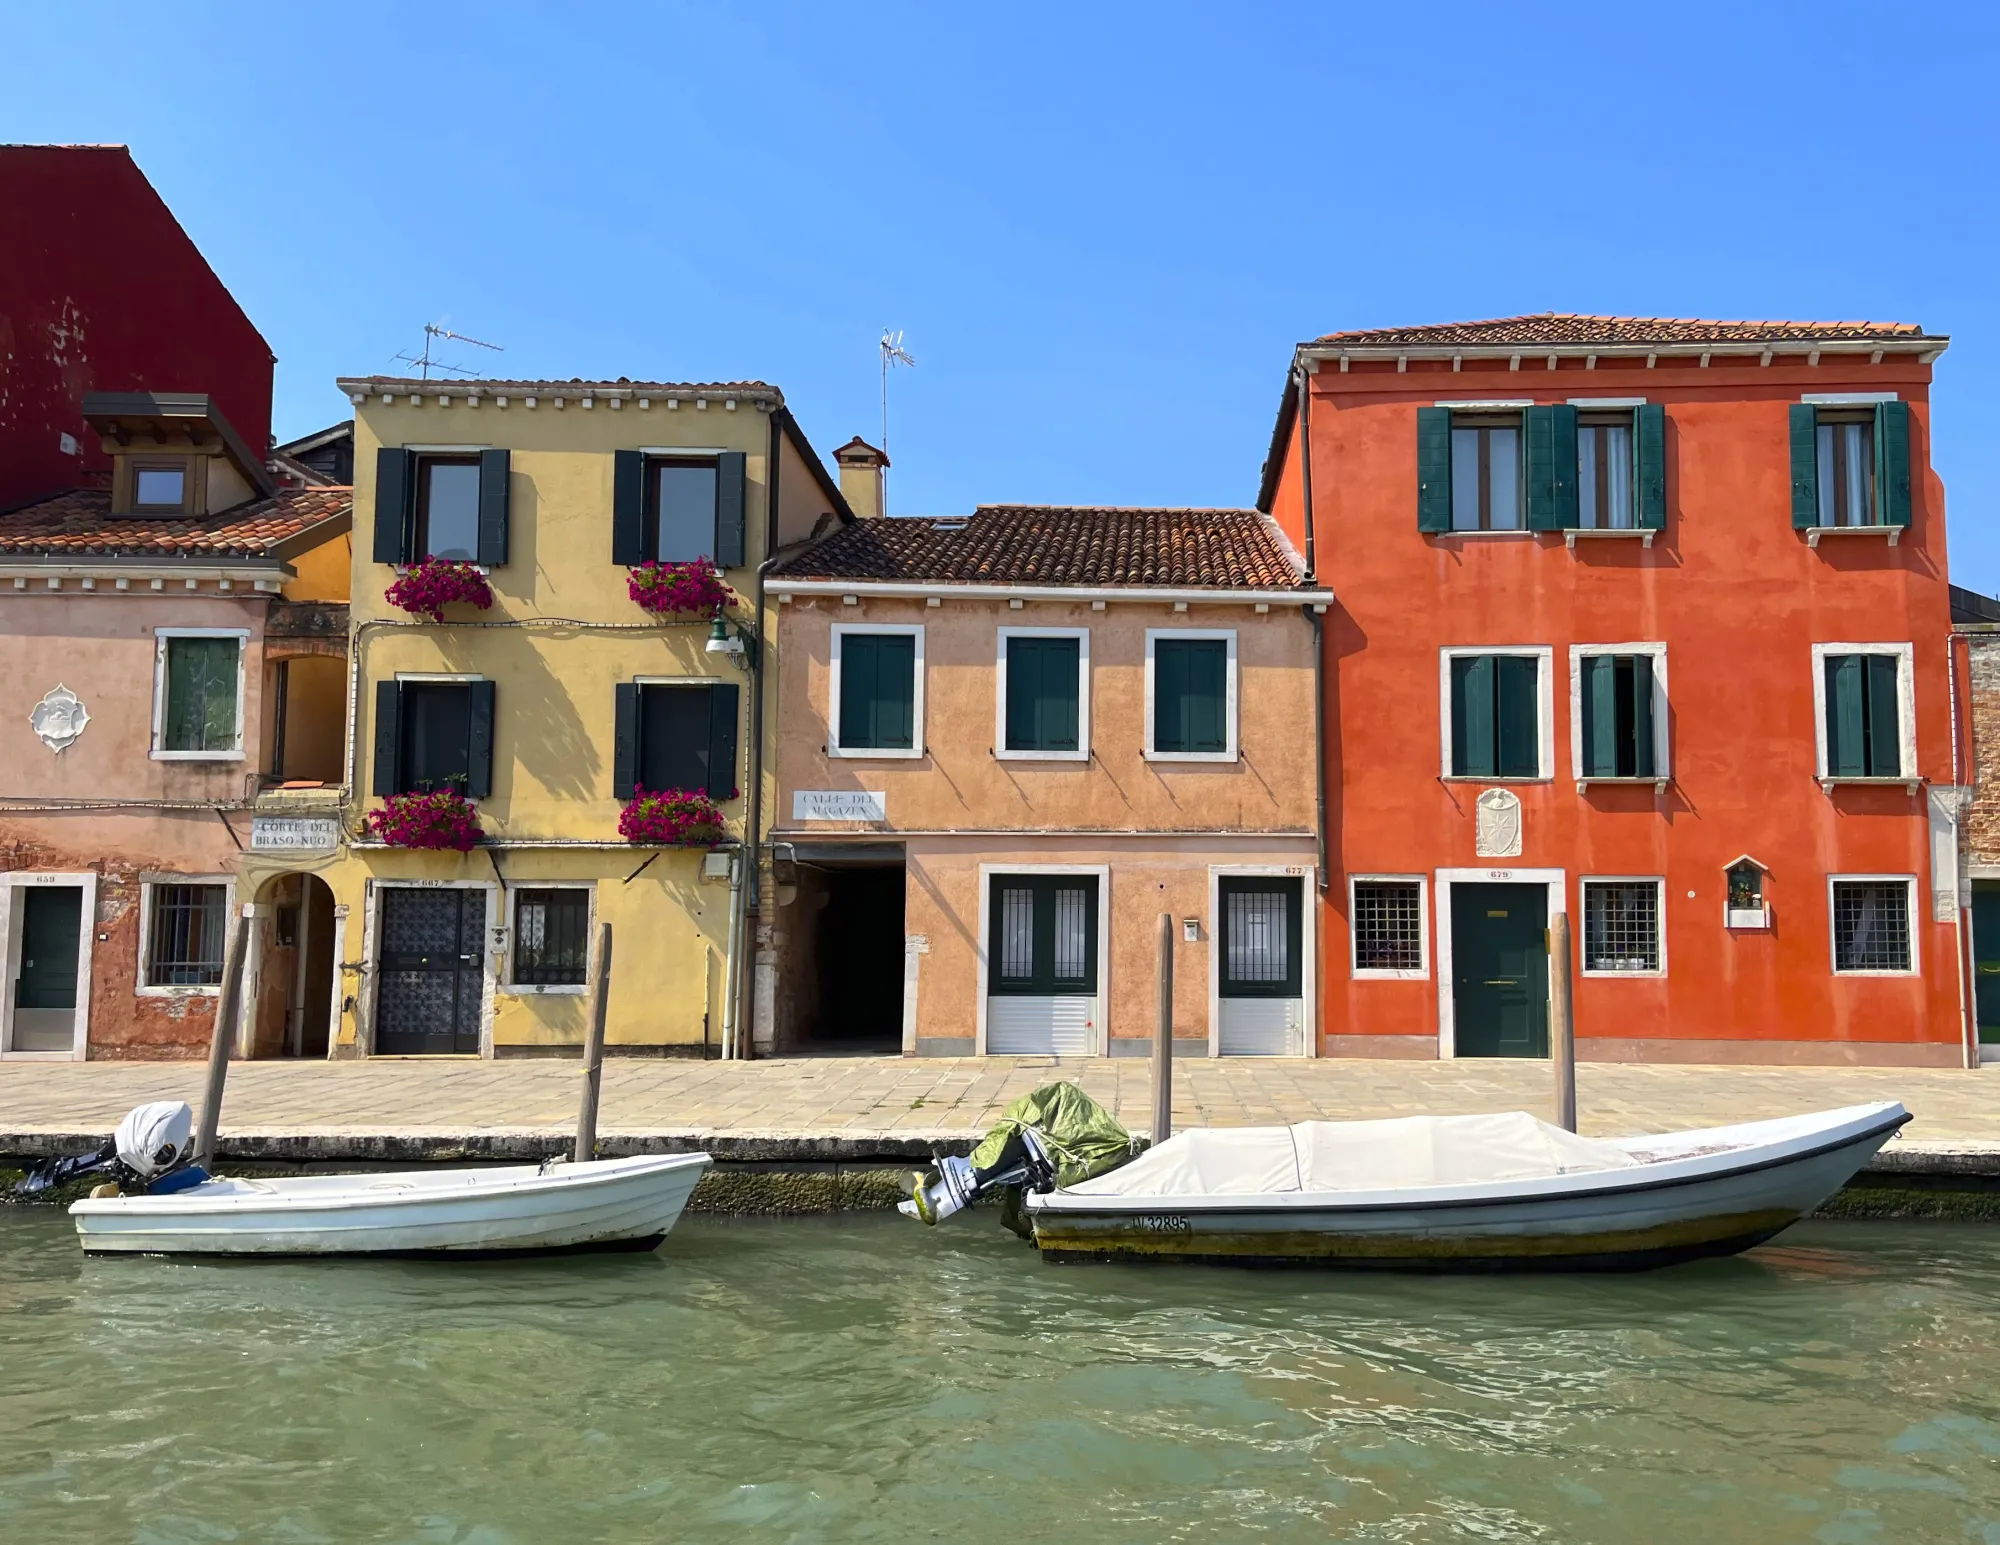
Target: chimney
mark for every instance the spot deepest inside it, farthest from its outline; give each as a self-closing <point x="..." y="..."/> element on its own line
<point x="861" y="477"/>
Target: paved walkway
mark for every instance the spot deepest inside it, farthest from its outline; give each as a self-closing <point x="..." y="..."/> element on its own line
<point x="853" y="1105"/>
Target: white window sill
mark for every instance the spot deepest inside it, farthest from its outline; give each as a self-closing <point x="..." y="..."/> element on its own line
<point x="1756" y="919"/>
<point x="1624" y="976"/>
<point x="1493" y="778"/>
<point x="876" y="753"/>
<point x="1659" y="785"/>
<point x="1591" y="533"/>
<point x="1367" y="975"/>
<point x="1893" y="533"/>
<point x="1042" y="756"/>
<point x="197" y="756"/>
<point x="1190" y="756"/>
<point x="1482" y="535"/>
<point x="1904" y="974"/>
<point x="544" y="990"/>
<point x="1830" y="784"/>
<point x="190" y="991"/>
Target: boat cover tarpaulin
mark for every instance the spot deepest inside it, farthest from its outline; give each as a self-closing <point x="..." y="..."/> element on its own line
<point x="1317" y="1156"/>
<point x="1081" y="1136"/>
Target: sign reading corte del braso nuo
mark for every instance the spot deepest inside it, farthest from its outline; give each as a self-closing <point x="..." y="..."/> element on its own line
<point x="279" y="833"/>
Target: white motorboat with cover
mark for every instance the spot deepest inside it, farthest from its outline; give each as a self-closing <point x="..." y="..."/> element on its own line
<point x="1487" y="1192"/>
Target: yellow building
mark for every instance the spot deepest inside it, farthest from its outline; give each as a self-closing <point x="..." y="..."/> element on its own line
<point x="550" y="705"/>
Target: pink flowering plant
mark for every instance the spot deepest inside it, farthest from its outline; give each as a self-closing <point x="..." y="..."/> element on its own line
<point x="669" y="589"/>
<point x="671" y="818"/>
<point x="441" y="818"/>
<point x="432" y="584"/>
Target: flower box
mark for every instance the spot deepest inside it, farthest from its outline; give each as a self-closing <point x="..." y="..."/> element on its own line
<point x="428" y="587"/>
<point x="671" y="818"/>
<point x="679" y="589"/>
<point x="443" y="819"/>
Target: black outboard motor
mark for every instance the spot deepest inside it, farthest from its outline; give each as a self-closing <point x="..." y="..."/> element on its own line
<point x="1024" y="1161"/>
<point x="150" y="1152"/>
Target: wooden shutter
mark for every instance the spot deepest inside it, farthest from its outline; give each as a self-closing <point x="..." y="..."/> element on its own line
<point x="1550" y="434"/>
<point x="1472" y="728"/>
<point x="1600" y="715"/>
<point x="628" y="508"/>
<point x="877" y="691"/>
<point x="1805" y="466"/>
<point x="388" y="737"/>
<point x="1191" y="695"/>
<point x="1649" y="467"/>
<point x="1644" y="763"/>
<point x="394" y="485"/>
<point x="493" y="468"/>
<point x="479" y="740"/>
<point x="723" y="707"/>
<point x="1885" y="728"/>
<point x="1434" y="469"/>
<point x="1892" y="462"/>
<point x="625" y="740"/>
<point x="729" y="518"/>
<point x="1846" y="737"/>
<point x="1043" y="688"/>
<point x="1519" y="724"/>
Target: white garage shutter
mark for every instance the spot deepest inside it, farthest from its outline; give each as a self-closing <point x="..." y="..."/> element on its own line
<point x="1260" y="1027"/>
<point x="1019" y="1026"/>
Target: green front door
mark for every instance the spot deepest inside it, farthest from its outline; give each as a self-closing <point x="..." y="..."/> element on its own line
<point x="45" y="991"/>
<point x="1500" y="970"/>
<point x="1986" y="959"/>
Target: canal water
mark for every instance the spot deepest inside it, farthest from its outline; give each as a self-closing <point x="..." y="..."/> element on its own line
<point x="862" y="1379"/>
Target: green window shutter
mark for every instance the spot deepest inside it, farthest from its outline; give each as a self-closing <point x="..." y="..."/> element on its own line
<point x="860" y="674"/>
<point x="1170" y="692"/>
<point x="388" y="737"/>
<point x="628" y="508"/>
<point x="479" y="741"/>
<point x="1191" y="695"/>
<point x="1892" y="462"/>
<point x="1846" y="739"/>
<point x="1649" y="467"/>
<point x="1434" y="469"/>
<point x="1550" y="435"/>
<point x="1644" y="764"/>
<point x="730" y="477"/>
<point x="1519" y="737"/>
<point x="1600" y="716"/>
<point x="1885" y="730"/>
<point x="493" y="469"/>
<point x="724" y="699"/>
<point x="625" y="740"/>
<point x="394" y="485"/>
<point x="1473" y="752"/>
<point x="1043" y="689"/>
<point x="878" y="682"/>
<point x="200" y="710"/>
<point x="1805" y="465"/>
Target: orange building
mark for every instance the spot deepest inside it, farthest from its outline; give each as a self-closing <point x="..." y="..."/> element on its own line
<point x="1645" y="620"/>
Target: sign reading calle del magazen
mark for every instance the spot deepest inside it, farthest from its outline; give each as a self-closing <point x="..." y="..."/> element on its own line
<point x="840" y="805"/>
<point x="284" y="833"/>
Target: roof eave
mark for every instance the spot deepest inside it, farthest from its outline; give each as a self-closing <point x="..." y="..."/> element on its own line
<point x="1137" y="594"/>
<point x="1927" y="348"/>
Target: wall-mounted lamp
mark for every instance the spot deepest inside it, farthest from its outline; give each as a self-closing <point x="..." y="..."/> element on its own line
<point x="732" y="639"/>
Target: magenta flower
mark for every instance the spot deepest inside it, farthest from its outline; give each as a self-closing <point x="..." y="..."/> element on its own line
<point x="443" y="818"/>
<point x="671" y="818"/>
<point x="435" y="583"/>
<point x="668" y="589"/>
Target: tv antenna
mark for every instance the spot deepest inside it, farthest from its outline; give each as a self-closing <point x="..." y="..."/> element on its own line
<point x="893" y="353"/>
<point x="432" y="332"/>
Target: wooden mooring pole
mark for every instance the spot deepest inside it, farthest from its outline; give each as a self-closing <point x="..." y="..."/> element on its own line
<point x="1163" y="1039"/>
<point x="226" y="1004"/>
<point x="593" y="1051"/>
<point x="1562" y="1022"/>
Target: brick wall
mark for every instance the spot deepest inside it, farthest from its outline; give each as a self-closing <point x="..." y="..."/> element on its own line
<point x="1982" y="821"/>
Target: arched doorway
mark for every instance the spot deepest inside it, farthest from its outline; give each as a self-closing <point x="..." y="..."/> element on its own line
<point x="293" y="993"/>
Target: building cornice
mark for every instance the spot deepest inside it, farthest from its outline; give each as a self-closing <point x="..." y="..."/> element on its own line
<point x="1521" y="356"/>
<point x="1132" y="595"/>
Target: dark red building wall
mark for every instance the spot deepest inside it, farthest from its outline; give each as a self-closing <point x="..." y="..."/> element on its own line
<point x="101" y="290"/>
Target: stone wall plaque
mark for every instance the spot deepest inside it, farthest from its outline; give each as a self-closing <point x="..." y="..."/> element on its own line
<point x="1497" y="833"/>
<point x="59" y="719"/>
<point x="294" y="833"/>
<point x="840" y="805"/>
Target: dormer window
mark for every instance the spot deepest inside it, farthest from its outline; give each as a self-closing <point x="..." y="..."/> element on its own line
<point x="160" y="487"/>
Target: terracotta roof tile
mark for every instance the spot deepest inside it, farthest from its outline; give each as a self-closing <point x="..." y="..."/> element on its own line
<point x="81" y="524"/>
<point x="1015" y="544"/>
<point x="1561" y="327"/>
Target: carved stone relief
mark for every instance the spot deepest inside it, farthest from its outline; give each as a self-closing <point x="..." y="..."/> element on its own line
<point x="59" y="719"/>
<point x="1497" y="833"/>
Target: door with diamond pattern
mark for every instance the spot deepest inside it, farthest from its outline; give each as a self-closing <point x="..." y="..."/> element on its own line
<point x="432" y="970"/>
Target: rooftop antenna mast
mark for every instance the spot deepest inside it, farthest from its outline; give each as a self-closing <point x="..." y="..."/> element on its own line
<point x="893" y="353"/>
<point x="434" y="331"/>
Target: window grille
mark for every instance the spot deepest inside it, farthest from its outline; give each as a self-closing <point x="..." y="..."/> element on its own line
<point x="1072" y="934"/>
<point x="551" y="937"/>
<point x="1257" y="937"/>
<point x="1621" y="925"/>
<point x="1388" y="925"/>
<point x="1017" y="933"/>
<point x="184" y="947"/>
<point x="1871" y="925"/>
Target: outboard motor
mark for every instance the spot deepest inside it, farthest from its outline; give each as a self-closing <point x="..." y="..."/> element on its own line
<point x="150" y="1153"/>
<point x="955" y="1185"/>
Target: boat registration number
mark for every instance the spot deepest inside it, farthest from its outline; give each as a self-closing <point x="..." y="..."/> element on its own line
<point x="1166" y="1223"/>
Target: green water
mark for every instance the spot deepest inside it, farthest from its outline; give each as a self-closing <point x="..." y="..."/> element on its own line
<point x="866" y="1380"/>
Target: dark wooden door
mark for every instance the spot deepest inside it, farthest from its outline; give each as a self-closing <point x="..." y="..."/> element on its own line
<point x="49" y="927"/>
<point x="432" y="966"/>
<point x="1986" y="959"/>
<point x="1500" y="970"/>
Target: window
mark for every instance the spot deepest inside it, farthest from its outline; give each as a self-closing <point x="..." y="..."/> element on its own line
<point x="1621" y="927"/>
<point x="551" y="936"/>
<point x="877" y="691"/>
<point x="1262" y="937"/>
<point x="1845" y="453"/>
<point x="159" y="488"/>
<point x="676" y="506"/>
<point x="199" y="695"/>
<point x="680" y="508"/>
<point x="448" y="507"/>
<point x="185" y="935"/>
<point x="676" y="735"/>
<point x="1495" y="716"/>
<point x="1044" y="935"/>
<point x="1863" y="723"/>
<point x="1388" y="918"/>
<point x="1850" y="465"/>
<point x="1618" y="724"/>
<point x="1486" y="473"/>
<point x="1604" y="471"/>
<point x="1871" y="924"/>
<point x="1044" y="693"/>
<point x="432" y="735"/>
<point x="1191" y="694"/>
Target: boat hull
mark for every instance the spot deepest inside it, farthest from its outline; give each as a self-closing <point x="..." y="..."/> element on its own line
<point x="619" y="1204"/>
<point x="1623" y="1225"/>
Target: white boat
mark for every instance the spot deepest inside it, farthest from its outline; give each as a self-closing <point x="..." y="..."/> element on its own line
<point x="1461" y="1193"/>
<point x="606" y="1204"/>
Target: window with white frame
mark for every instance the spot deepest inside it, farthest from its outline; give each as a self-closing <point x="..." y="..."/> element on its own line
<point x="1866" y="720"/>
<point x="1191" y="695"/>
<point x="551" y="936"/>
<point x="1388" y="925"/>
<point x="198" y="693"/>
<point x="1618" y="717"/>
<point x="1044" y="694"/>
<point x="1621" y="927"/>
<point x="877" y="691"/>
<point x="185" y="925"/>
<point x="1871" y="924"/>
<point x="1495" y="711"/>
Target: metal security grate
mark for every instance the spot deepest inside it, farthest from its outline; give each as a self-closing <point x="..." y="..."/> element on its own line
<point x="1388" y="925"/>
<point x="1257" y="937"/>
<point x="1017" y="933"/>
<point x="551" y="937"/>
<point x="1621" y="925"/>
<point x="1871" y="925"/>
<point x="184" y="948"/>
<point x="1072" y="933"/>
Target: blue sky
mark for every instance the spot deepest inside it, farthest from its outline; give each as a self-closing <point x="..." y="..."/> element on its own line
<point x="1101" y="227"/>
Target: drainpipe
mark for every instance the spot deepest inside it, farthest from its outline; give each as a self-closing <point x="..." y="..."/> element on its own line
<point x="1968" y="999"/>
<point x="733" y="955"/>
<point x="1304" y="379"/>
<point x="1313" y="620"/>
